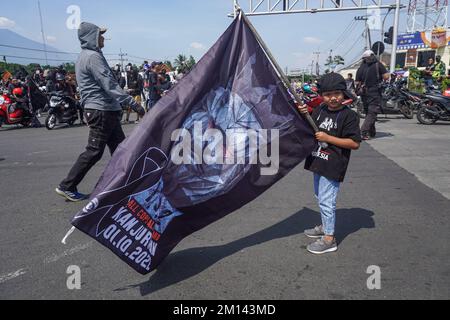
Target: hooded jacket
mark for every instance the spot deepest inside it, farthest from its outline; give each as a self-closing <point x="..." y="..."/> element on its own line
<point x="99" y="88"/>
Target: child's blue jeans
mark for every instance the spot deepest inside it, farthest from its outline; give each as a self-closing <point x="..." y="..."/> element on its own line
<point x="326" y="191"/>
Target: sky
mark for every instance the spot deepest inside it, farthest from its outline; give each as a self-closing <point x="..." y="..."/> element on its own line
<point x="160" y="30"/>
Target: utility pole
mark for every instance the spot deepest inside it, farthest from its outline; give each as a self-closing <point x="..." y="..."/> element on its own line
<point x="394" y="40"/>
<point x="42" y="32"/>
<point x="367" y="32"/>
<point x="317" y="61"/>
<point x="121" y="55"/>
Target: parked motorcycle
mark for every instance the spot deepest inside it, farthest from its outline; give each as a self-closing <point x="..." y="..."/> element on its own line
<point x="396" y="99"/>
<point x="62" y="109"/>
<point x="435" y="107"/>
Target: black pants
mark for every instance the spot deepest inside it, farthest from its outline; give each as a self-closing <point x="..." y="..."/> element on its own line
<point x="105" y="130"/>
<point x="372" y="105"/>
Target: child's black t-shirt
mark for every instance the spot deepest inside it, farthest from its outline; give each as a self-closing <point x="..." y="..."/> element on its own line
<point x="333" y="161"/>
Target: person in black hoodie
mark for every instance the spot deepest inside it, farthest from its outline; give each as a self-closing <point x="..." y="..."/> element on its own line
<point x="135" y="88"/>
<point x="368" y="80"/>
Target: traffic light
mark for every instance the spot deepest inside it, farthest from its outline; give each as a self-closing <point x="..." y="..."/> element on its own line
<point x="389" y="36"/>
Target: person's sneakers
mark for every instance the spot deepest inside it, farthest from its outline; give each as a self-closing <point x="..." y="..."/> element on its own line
<point x="366" y="138"/>
<point x="71" y="196"/>
<point x="315" y="233"/>
<point x="321" y="246"/>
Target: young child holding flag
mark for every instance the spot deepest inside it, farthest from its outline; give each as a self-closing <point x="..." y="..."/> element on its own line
<point x="339" y="133"/>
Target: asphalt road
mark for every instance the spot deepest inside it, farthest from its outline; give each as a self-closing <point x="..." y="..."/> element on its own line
<point x="392" y="214"/>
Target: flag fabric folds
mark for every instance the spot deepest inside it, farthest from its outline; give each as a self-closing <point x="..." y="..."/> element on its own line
<point x="225" y="134"/>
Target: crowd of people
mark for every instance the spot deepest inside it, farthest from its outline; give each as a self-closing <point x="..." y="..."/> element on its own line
<point x="146" y="84"/>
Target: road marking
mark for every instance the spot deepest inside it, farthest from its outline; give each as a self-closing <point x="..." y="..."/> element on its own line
<point x="12" y="275"/>
<point x="52" y="259"/>
<point x="69" y="252"/>
<point x="38" y="152"/>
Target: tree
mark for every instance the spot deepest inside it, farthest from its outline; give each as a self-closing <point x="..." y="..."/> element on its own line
<point x="180" y="63"/>
<point x="333" y="62"/>
<point x="339" y="60"/>
<point x="183" y="64"/>
<point x="190" y="63"/>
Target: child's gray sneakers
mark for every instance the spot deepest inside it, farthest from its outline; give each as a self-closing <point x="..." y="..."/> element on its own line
<point x="315" y="233"/>
<point x="321" y="246"/>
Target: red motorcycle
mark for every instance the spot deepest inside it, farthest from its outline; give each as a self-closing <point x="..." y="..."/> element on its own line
<point x="13" y="109"/>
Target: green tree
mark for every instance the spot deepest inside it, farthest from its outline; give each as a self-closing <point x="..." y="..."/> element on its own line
<point x="180" y="63"/>
<point x="333" y="62"/>
<point x="190" y="63"/>
<point x="338" y="60"/>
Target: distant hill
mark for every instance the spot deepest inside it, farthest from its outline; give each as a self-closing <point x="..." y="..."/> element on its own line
<point x="10" y="38"/>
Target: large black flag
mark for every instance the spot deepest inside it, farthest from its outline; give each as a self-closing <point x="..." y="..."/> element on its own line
<point x="224" y="135"/>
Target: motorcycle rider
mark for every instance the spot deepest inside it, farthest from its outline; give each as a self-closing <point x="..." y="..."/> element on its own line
<point x="19" y="97"/>
<point x="63" y="88"/>
<point x="22" y="101"/>
<point x="101" y="97"/>
<point x="14" y="83"/>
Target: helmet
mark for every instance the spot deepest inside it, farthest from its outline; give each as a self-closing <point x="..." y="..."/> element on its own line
<point x="60" y="77"/>
<point x="18" y="92"/>
<point x="307" y="89"/>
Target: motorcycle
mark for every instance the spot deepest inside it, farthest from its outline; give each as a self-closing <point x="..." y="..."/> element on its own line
<point x="12" y="113"/>
<point x="62" y="109"/>
<point x="396" y="99"/>
<point x="310" y="97"/>
<point x="435" y="107"/>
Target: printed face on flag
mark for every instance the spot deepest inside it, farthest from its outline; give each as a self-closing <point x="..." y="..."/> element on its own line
<point x="218" y="140"/>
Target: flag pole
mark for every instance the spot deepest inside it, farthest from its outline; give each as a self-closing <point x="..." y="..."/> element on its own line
<point x="280" y="72"/>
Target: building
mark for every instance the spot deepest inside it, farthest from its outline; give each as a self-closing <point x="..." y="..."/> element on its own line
<point x="414" y="49"/>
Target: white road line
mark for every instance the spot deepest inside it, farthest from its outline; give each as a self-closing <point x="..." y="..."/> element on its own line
<point x="12" y="275"/>
<point x="38" y="152"/>
<point x="69" y="252"/>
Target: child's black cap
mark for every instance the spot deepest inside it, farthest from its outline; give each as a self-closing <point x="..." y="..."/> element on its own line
<point x="332" y="82"/>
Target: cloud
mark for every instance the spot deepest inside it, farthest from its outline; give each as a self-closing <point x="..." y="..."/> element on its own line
<point x="312" y="40"/>
<point x="51" y="39"/>
<point x="6" y="23"/>
<point x="197" y="46"/>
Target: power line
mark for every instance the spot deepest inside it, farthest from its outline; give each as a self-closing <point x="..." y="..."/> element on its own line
<point x="347" y="36"/>
<point x="353" y="47"/>
<point x="343" y="34"/>
<point x="50" y="51"/>
<point x="37" y="50"/>
<point x="120" y="55"/>
<point x="38" y="59"/>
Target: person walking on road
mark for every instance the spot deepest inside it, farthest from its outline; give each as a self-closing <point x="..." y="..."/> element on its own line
<point x="101" y="97"/>
<point x="369" y="78"/>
